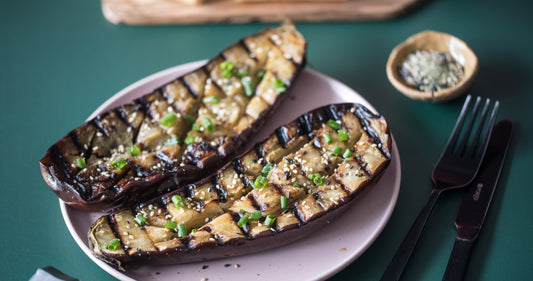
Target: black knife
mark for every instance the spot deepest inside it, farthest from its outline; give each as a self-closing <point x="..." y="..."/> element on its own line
<point x="476" y="201"/>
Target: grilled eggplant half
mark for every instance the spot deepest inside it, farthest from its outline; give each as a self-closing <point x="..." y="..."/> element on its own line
<point x="287" y="186"/>
<point x="181" y="131"/>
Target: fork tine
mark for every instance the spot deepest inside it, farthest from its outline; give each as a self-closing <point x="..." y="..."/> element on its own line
<point x="481" y="148"/>
<point x="474" y="144"/>
<point x="458" y="126"/>
<point x="462" y="145"/>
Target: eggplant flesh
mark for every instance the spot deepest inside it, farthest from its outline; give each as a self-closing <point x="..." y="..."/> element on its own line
<point x="181" y="131"/>
<point x="317" y="164"/>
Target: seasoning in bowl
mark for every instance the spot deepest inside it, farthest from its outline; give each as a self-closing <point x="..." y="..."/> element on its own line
<point x="430" y="71"/>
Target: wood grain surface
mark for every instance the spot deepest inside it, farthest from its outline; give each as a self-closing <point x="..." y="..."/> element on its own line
<point x="160" y="12"/>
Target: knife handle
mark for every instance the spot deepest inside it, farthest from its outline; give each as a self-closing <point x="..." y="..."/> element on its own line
<point x="459" y="258"/>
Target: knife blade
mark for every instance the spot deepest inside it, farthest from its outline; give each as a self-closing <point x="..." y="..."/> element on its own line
<point x="476" y="201"/>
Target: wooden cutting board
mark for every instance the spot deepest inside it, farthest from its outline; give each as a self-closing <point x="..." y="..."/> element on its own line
<point x="145" y="12"/>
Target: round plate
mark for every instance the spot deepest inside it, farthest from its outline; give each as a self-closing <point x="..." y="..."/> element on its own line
<point x="318" y="256"/>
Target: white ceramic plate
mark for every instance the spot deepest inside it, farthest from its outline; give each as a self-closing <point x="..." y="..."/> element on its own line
<point x="318" y="256"/>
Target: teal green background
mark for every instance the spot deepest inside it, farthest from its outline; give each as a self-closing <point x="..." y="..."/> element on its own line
<point x="59" y="60"/>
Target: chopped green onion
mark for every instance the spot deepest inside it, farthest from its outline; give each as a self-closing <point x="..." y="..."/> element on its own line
<point x="343" y="135"/>
<point x="211" y="99"/>
<point x="347" y="153"/>
<point x="328" y="139"/>
<point x="189" y="118"/>
<point x="260" y="182"/>
<point x="171" y="225"/>
<point x="189" y="140"/>
<point x="168" y="119"/>
<point x="227" y="67"/>
<point x="318" y="181"/>
<point x="242" y="73"/>
<point x="134" y="150"/>
<point x="242" y="211"/>
<point x="283" y="202"/>
<point x="81" y="163"/>
<point x="194" y="230"/>
<point x="336" y="151"/>
<point x="296" y="185"/>
<point x="172" y="141"/>
<point x="247" y="85"/>
<point x="176" y="199"/>
<point x="270" y="219"/>
<point x="113" y="245"/>
<point x="278" y="85"/>
<point x="196" y="127"/>
<point x="119" y="163"/>
<point x="260" y="74"/>
<point x="243" y="221"/>
<point x="266" y="169"/>
<point x="140" y="219"/>
<point x="256" y="215"/>
<point x="333" y="124"/>
<point x="182" y="230"/>
<point x="208" y="125"/>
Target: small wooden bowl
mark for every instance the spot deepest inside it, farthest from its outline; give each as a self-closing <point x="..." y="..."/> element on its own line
<point x="440" y="42"/>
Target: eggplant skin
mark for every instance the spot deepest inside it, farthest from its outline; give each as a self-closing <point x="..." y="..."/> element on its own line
<point x="174" y="153"/>
<point x="300" y="161"/>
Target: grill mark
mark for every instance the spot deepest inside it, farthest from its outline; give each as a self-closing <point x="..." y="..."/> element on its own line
<point x="362" y="116"/>
<point x="362" y="166"/>
<point x="246" y="229"/>
<point x="98" y="124"/>
<point x="320" y="116"/>
<point x="144" y="106"/>
<point x="237" y="166"/>
<point x="214" y="82"/>
<point x="259" y="151"/>
<point x="76" y="140"/>
<point x="252" y="200"/>
<point x="221" y="191"/>
<point x="281" y="133"/>
<point x="114" y="186"/>
<point x="248" y="50"/>
<point x="119" y="111"/>
<point x="332" y="112"/>
<point x="165" y="158"/>
<point x="191" y="91"/>
<point x="304" y="126"/>
<point x="112" y="225"/>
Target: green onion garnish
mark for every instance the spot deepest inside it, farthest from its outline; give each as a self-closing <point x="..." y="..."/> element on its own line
<point x="256" y="215"/>
<point x="318" y="181"/>
<point x="242" y="73"/>
<point x="283" y="202"/>
<point x="113" y="245"/>
<point x="247" y="85"/>
<point x="242" y="211"/>
<point x="140" y="219"/>
<point x="81" y="163"/>
<point x="270" y="219"/>
<point x="243" y="221"/>
<point x="260" y="182"/>
<point x="278" y="85"/>
<point x="343" y="135"/>
<point x="333" y="124"/>
<point x="296" y="185"/>
<point x="328" y="139"/>
<point x="168" y="119"/>
<point x="172" y="141"/>
<point x="347" y="153"/>
<point x="171" y="225"/>
<point x="260" y="74"/>
<point x="196" y="127"/>
<point x="208" y="125"/>
<point x="211" y="99"/>
<point x="194" y="230"/>
<point x="134" y="150"/>
<point x="189" y="118"/>
<point x="189" y="140"/>
<point x="336" y="151"/>
<point x="227" y="66"/>
<point x="182" y="230"/>
<point x="176" y="199"/>
<point x="266" y="169"/>
<point x="119" y="163"/>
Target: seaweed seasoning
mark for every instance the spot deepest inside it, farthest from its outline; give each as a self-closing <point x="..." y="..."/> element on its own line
<point x="430" y="71"/>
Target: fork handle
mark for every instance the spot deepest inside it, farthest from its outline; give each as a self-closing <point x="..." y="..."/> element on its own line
<point x="401" y="258"/>
<point x="459" y="258"/>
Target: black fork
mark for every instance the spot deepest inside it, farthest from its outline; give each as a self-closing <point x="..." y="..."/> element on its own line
<point x="456" y="168"/>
